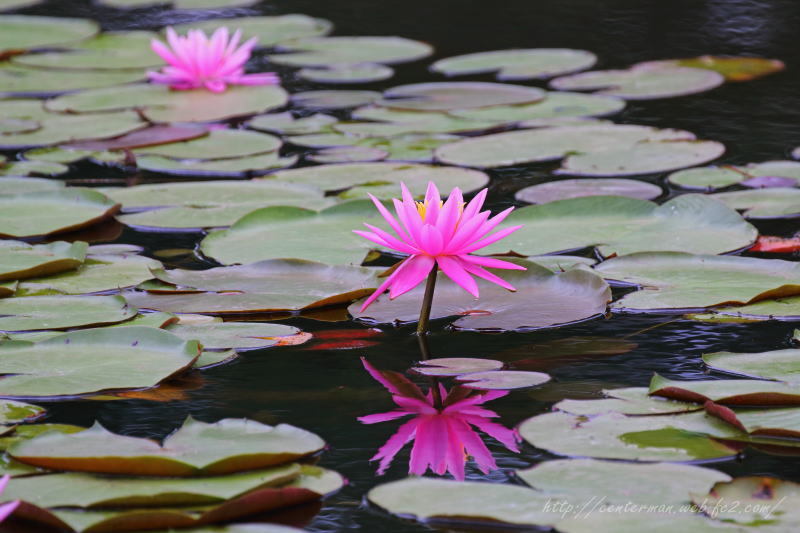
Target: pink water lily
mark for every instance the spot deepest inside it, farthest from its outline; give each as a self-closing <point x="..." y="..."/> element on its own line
<point x="439" y="234"/>
<point x="196" y="61"/>
<point x="442" y="438"/>
<point x="7" y="508"/>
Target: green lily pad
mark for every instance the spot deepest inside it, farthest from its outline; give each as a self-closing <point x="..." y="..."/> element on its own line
<point x="269" y="30"/>
<point x="733" y="68"/>
<point x="781" y="365"/>
<point x="561" y="263"/>
<point x="67" y="209"/>
<point x="727" y="392"/>
<point x="382" y="179"/>
<point x="18" y="80"/>
<point x="238" y="335"/>
<point x="17" y="125"/>
<point x="761" y="502"/>
<point x="642" y="82"/>
<point x="709" y="178"/>
<point x="347" y="73"/>
<point x="218" y="144"/>
<point x="60" y="154"/>
<point x="13" y="412"/>
<point x="455" y="366"/>
<point x="518" y="64"/>
<point x="348" y="154"/>
<point x="19" y="260"/>
<point x="777" y="309"/>
<point x="324" y="51"/>
<point x="33" y="168"/>
<point x="409" y="147"/>
<point x="777" y="202"/>
<point x="197" y="448"/>
<point x="234" y="168"/>
<point x="58" y="312"/>
<point x="334" y="99"/>
<point x="576" y="188"/>
<point x="444" y="96"/>
<point x="7" y="5"/>
<point x="502" y="379"/>
<point x="288" y="124"/>
<point x="191" y="218"/>
<point x="547" y="144"/>
<point x="58" y="129"/>
<point x="107" y="51"/>
<point x="673" y="438"/>
<point x="674" y="280"/>
<point x="628" y="401"/>
<point x="21" y="32"/>
<point x="97" y="274"/>
<point x="159" y="104"/>
<point x="780" y="423"/>
<point x="22" y="185"/>
<point x="93" y="360"/>
<point x="543" y="299"/>
<point x="689" y="223"/>
<point x="266" y="286"/>
<point x="388" y="122"/>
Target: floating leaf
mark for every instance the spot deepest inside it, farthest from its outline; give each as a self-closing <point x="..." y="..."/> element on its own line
<point x="444" y="96"/>
<point x="334" y="99"/>
<point x="347" y="73"/>
<point x="20" y="185"/>
<point x="238" y="335"/>
<point x="654" y="522"/>
<point x="19" y="260"/>
<point x="58" y="312"/>
<point x="18" y="80"/>
<point x="233" y="168"/>
<point x="21" y="32"/>
<point x="733" y="68"/>
<point x="230" y="445"/>
<point x="12" y="412"/>
<point x="324" y="51"/>
<point x="269" y="30"/>
<point x="689" y="223"/>
<point x="759" y="500"/>
<point x="709" y="178"/>
<point x="674" y="438"/>
<point x="218" y="144"/>
<point x="777" y="309"/>
<point x="455" y="366"/>
<point x="58" y="129"/>
<point x="642" y="82"/>
<point x="410" y="147"/>
<point x="543" y="299"/>
<point x="727" y="392"/>
<point x="502" y="379"/>
<point x="388" y="122"/>
<point x="628" y="401"/>
<point x="348" y="154"/>
<point x="67" y="209"/>
<point x="781" y="365"/>
<point x="779" y="423"/>
<point x="518" y="64"/>
<point x="763" y="203"/>
<point x="154" y="135"/>
<point x="575" y="188"/>
<point x="674" y="280"/>
<point x="107" y="51"/>
<point x="33" y="168"/>
<point x="288" y="124"/>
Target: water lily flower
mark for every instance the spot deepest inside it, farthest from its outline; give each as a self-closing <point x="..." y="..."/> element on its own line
<point x="443" y="438"/>
<point x="440" y="234"/>
<point x="7" y="508"/>
<point x="196" y="61"/>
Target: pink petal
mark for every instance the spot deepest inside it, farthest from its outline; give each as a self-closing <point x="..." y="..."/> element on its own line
<point x="450" y="214"/>
<point x="453" y="269"/>
<point x="476" y="270"/>
<point x="474" y="206"/>
<point x="455" y="449"/>
<point x="262" y="78"/>
<point x="507" y="437"/>
<point x="382" y="417"/>
<point x="377" y="376"/>
<point x="491" y="262"/>
<point x="395" y="443"/>
<point x="432" y="199"/>
<point x="486" y="241"/>
<point x="390" y="219"/>
<point x="385" y="285"/>
<point x="371" y="237"/>
<point x="422" y="453"/>
<point x="416" y="269"/>
<point x="466" y="231"/>
<point x="431" y="241"/>
<point x="8" y="508"/>
<point x="477" y="449"/>
<point x="392" y="242"/>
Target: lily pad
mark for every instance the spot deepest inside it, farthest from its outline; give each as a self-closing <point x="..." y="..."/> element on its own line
<point x="13" y="412"/>
<point x="218" y="144"/>
<point x="324" y="51"/>
<point x="58" y="129"/>
<point x="748" y="392"/>
<point x="152" y="136"/>
<point x="444" y="96"/>
<point x="674" y="438"/>
<point x="709" y="178"/>
<point x="33" y="168"/>
<point x="21" y="32"/>
<point x="269" y="30"/>
<point x="781" y="365"/>
<point x="642" y="82"/>
<point x="655" y="522"/>
<point x="266" y="286"/>
<point x="576" y="188"/>
<point x="18" y="80"/>
<point x="288" y="124"/>
<point x="777" y="309"/>
<point x="355" y="180"/>
<point x="628" y="401"/>
<point x="348" y="73"/>
<point x="19" y="260"/>
<point x="237" y="167"/>
<point x="197" y="448"/>
<point x="518" y="64"/>
<point x="775" y="202"/>
<point x="502" y="379"/>
<point x="455" y="366"/>
<point x="409" y="147"/>
<point x="733" y="68"/>
<point x="21" y="185"/>
<point x="193" y="218"/>
<point x="93" y="360"/>
<point x="388" y="122"/>
<point x="348" y="154"/>
<point x="543" y="299"/>
<point x="617" y="225"/>
<point x="238" y="335"/>
<point x="674" y="280"/>
<point x="159" y="104"/>
<point x="107" y="51"/>
<point x="759" y="500"/>
<point x="780" y="423"/>
<point x="66" y="209"/>
<point x="334" y="99"/>
<point x="59" y="312"/>
<point x="547" y="144"/>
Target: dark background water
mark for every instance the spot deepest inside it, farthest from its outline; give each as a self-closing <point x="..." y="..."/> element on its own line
<point x="325" y="390"/>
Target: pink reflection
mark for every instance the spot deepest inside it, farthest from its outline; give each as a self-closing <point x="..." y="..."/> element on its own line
<point x="442" y="438"/>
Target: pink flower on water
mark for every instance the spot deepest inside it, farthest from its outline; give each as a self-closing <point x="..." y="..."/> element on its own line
<point x="443" y="234"/>
<point x="196" y="61"/>
<point x="7" y="508"/>
<point x="442" y="439"/>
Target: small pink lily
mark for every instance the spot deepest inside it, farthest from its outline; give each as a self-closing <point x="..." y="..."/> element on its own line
<point x="444" y="234"/>
<point x="7" y="508"/>
<point x="442" y="439"/>
<point x="196" y="61"/>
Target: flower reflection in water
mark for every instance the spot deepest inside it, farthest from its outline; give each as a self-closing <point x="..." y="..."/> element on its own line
<point x="443" y="437"/>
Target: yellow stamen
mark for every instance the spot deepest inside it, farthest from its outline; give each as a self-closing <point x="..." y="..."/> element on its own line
<point x="422" y="207"/>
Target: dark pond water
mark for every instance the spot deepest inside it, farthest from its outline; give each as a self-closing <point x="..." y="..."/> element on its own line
<point x="325" y="390"/>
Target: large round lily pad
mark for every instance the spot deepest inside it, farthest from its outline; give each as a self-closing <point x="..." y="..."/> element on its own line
<point x="782" y="365"/>
<point x="334" y="99"/>
<point x="543" y="299"/>
<point x="43" y="213"/>
<point x="759" y="500"/>
<point x="107" y="51"/>
<point x="677" y="280"/>
<point x="269" y="30"/>
<point x="628" y="401"/>
<point x="288" y="124"/>
<point x="741" y="68"/>
<point x="518" y="64"/>
<point x="777" y="309"/>
<point x="239" y="335"/>
<point x="19" y="260"/>
<point x="443" y="96"/>
<point x="747" y="392"/>
<point x="218" y="144"/>
<point x="93" y="360"/>
<point x="347" y="73"/>
<point x="708" y="178"/>
<point x="547" y="144"/>
<point x="230" y="445"/>
<point x="21" y="32"/>
<point x="409" y="147"/>
<point x="237" y="167"/>
<point x="778" y="202"/>
<point x="56" y="129"/>
<point x="382" y="179"/>
<point x="324" y="51"/>
<point x="388" y="122"/>
<point x="19" y="80"/>
<point x="642" y="82"/>
<point x="576" y="188"/>
<point x="617" y="225"/>
<point x="58" y="312"/>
